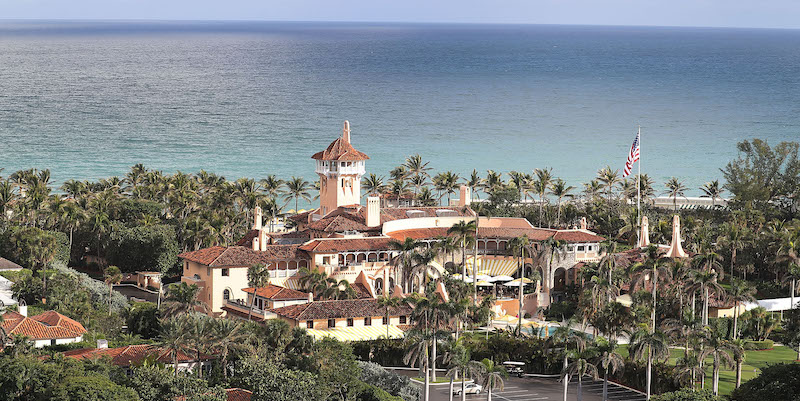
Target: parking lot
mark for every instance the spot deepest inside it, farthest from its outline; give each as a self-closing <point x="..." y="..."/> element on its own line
<point x="540" y="389"/>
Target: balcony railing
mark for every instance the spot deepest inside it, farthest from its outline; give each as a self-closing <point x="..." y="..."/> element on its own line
<point x="241" y="305"/>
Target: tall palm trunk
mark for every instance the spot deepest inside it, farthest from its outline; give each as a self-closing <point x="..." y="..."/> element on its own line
<point x="580" y="386"/>
<point x="566" y="376"/>
<point x="521" y="286"/>
<point x="738" y="373"/>
<point x="715" y="377"/>
<point x="705" y="306"/>
<point x="433" y="356"/>
<point x="605" y="385"/>
<point x="736" y="321"/>
<point x="649" y="369"/>
<point x="653" y="313"/>
<point x="450" y="394"/>
<point x="463" y="384"/>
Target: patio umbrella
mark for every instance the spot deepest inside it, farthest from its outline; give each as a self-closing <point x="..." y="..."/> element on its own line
<point x="456" y="276"/>
<point x="514" y="284"/>
<point x="484" y="277"/>
<point x="502" y="278"/>
<point x="483" y="283"/>
<point x="524" y="280"/>
<point x="467" y="279"/>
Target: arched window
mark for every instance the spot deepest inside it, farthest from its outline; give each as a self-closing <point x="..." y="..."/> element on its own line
<point x="226" y="295"/>
<point x="197" y="277"/>
<point x="379" y="286"/>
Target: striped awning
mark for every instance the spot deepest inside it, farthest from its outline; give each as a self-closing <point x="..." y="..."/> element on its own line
<point x="365" y="333"/>
<point x="494" y="266"/>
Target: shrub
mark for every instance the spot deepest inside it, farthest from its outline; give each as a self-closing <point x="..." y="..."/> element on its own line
<point x="758" y="345"/>
<point x="687" y="394"/>
<point x="560" y="310"/>
<point x="369" y="392"/>
<point x="392" y="383"/>
<point x="142" y="319"/>
<point x="152" y="248"/>
<point x="98" y="290"/>
<point x="776" y="382"/>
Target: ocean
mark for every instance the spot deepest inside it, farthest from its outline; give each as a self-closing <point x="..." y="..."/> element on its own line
<point x="247" y="99"/>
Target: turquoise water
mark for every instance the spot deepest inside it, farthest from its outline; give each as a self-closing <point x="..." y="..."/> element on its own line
<point x="88" y="100"/>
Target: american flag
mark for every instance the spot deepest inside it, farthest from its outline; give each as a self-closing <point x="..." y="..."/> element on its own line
<point x="633" y="157"/>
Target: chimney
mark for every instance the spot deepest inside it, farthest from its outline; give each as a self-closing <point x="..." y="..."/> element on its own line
<point x="465" y="198"/>
<point x="584" y="225"/>
<point x="102" y="344"/>
<point x="257" y="219"/>
<point x="23" y="310"/>
<point x="262" y="239"/>
<point x="373" y="216"/>
<point x="255" y="244"/>
<point x="310" y="297"/>
<point x="675" y="248"/>
<point x="644" y="233"/>
<point x="346" y="131"/>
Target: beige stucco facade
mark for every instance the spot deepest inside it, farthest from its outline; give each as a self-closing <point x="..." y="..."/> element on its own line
<point x="214" y="282"/>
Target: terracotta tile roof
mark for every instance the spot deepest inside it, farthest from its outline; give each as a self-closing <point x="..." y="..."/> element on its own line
<point x="341" y="220"/>
<point x="535" y="234"/>
<point x="340" y="149"/>
<point x="339" y="309"/>
<point x="347" y="244"/>
<point x="205" y="256"/>
<point x="397" y="213"/>
<point x="247" y="240"/>
<point x="277" y="293"/>
<point x="131" y="354"/>
<point x="238" y="394"/>
<point x="361" y="290"/>
<point x="46" y="326"/>
<point x="244" y="256"/>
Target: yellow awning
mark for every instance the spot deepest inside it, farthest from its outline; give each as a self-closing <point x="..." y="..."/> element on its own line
<point x="365" y="333"/>
<point x="494" y="266"/>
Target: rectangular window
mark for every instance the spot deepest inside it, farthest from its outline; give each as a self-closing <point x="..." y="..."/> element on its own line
<point x="349" y="322"/>
<point x="581" y="248"/>
<point x="367" y="321"/>
<point x="383" y="321"/>
<point x="208" y="271"/>
<point x="326" y="260"/>
<point x="186" y="265"/>
<point x="331" y="323"/>
<point x="225" y="272"/>
<point x="309" y="324"/>
<point x="402" y="320"/>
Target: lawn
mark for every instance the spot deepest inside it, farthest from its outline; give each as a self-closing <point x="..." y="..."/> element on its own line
<point x="754" y="361"/>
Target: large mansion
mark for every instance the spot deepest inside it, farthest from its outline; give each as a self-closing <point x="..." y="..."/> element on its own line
<point x="350" y="241"/>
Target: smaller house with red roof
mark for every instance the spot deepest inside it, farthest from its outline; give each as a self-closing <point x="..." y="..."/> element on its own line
<point x="135" y="355"/>
<point x="44" y="329"/>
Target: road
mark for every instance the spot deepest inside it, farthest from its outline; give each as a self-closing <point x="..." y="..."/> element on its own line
<point x="542" y="389"/>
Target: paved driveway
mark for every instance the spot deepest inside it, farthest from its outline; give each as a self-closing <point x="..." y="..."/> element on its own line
<point x="541" y="389"/>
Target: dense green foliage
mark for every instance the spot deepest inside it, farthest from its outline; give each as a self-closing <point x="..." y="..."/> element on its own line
<point x="777" y="382"/>
<point x="143" y="248"/>
<point x="687" y="395"/>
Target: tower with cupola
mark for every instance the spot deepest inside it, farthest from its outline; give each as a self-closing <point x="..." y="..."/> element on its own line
<point x="340" y="168"/>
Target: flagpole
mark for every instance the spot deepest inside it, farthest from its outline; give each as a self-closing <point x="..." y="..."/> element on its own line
<point x="639" y="188"/>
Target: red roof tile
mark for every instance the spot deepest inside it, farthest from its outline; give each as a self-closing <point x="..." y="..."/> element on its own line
<point x="48" y="325"/>
<point x="340" y="149"/>
<point x="534" y="234"/>
<point x="277" y="293"/>
<point x="331" y="245"/>
<point x="131" y="354"/>
<point x="239" y="256"/>
<point x="238" y="394"/>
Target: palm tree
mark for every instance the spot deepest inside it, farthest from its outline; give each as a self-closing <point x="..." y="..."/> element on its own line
<point x="734" y="237"/>
<point x="416" y="168"/>
<point x="705" y="281"/>
<point x="462" y="364"/>
<point x="458" y="357"/>
<point x="739" y="292"/>
<point x="339" y="290"/>
<point x="175" y="338"/>
<point x="650" y="346"/>
<point x="579" y="367"/>
<point x="564" y="335"/>
<point x="655" y="270"/>
<point x="474" y="182"/>
<point x="227" y="337"/>
<point x="608" y="179"/>
<point x="493" y="181"/>
<point x="712" y="190"/>
<point x="463" y="231"/>
<point x="560" y="190"/>
<point x="200" y="331"/>
<point x="591" y="189"/>
<point x="405" y="249"/>
<point x="789" y="253"/>
<point x="417" y="355"/>
<point x="314" y="281"/>
<point x="423" y="260"/>
<point x="272" y="186"/>
<point x="610" y="360"/>
<point x="675" y="188"/>
<point x="517" y="246"/>
<point x="112" y="275"/>
<point x="43" y="252"/>
<point x="544" y="177"/>
<point x="373" y="184"/>
<point x="715" y="345"/>
<point x="182" y="298"/>
<point x="492" y="377"/>
<point x="736" y="346"/>
<point x="297" y="188"/>
<point x="388" y="302"/>
<point x="257" y="277"/>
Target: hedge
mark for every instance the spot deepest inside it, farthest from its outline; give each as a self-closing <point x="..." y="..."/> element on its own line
<point x="759" y="345"/>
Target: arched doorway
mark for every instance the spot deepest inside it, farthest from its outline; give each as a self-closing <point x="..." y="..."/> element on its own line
<point x="560" y="279"/>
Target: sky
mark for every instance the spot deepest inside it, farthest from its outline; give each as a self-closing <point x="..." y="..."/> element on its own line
<point x="706" y="13"/>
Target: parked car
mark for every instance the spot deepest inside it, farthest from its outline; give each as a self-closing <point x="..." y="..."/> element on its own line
<point x="469" y="388"/>
<point x="514" y="368"/>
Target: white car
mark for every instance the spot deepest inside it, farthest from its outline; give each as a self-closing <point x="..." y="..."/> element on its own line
<point x="469" y="388"/>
